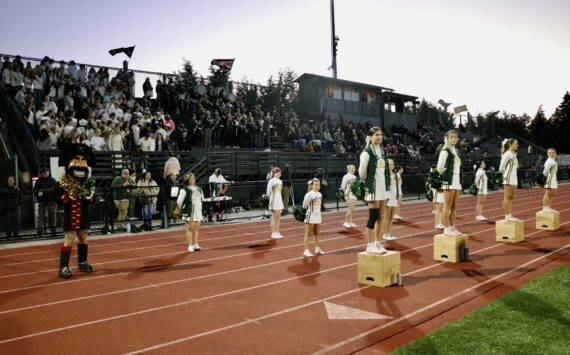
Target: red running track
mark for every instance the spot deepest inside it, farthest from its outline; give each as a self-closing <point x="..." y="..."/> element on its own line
<point x="246" y="294"/>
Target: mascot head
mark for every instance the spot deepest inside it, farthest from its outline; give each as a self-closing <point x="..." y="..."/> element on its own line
<point x="77" y="159"/>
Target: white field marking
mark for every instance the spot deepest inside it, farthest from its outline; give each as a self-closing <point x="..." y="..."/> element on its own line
<point x="337" y="311"/>
<point x="207" y="230"/>
<point x="193" y="262"/>
<point x="292" y="309"/>
<point x="240" y="243"/>
<point x="249" y="288"/>
<point x="202" y="235"/>
<point x="432" y="305"/>
<point x="206" y="260"/>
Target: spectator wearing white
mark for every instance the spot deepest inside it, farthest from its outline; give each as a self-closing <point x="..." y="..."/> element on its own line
<point x="50" y="105"/>
<point x="172" y="166"/>
<point x="7" y="75"/>
<point x="481" y="183"/>
<point x="17" y="78"/>
<point x="147" y="143"/>
<point x="97" y="143"/>
<point x="115" y="143"/>
<point x="38" y="86"/>
<point x="551" y="184"/>
<point x="81" y="74"/>
<point x="72" y="69"/>
<point x="346" y="186"/>
<point x="136" y="129"/>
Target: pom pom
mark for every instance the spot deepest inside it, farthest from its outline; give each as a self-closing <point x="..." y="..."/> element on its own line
<point x="434" y="180"/>
<point x="357" y="189"/>
<point x="300" y="213"/>
<point x="473" y="189"/>
<point x="429" y="193"/>
<point x="264" y="201"/>
<point x="340" y="195"/>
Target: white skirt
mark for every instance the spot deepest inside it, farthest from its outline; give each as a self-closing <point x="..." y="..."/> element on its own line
<point x="275" y="202"/>
<point x="455" y="183"/>
<point x="314" y="217"/>
<point x="551" y="183"/>
<point x="196" y="212"/>
<point x="438" y="196"/>
<point x="392" y="200"/>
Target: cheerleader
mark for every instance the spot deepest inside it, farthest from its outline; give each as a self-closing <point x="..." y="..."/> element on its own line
<point x="345" y="186"/>
<point x="398" y="177"/>
<point x="550" y="170"/>
<point x="274" y="187"/>
<point x="509" y="166"/>
<point x="312" y="202"/>
<point x="392" y="204"/>
<point x="373" y="170"/>
<point x="190" y="202"/>
<point x="481" y="183"/>
<point x="449" y="166"/>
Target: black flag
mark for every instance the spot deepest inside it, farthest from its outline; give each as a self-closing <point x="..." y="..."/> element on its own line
<point x="127" y="50"/>
<point x="224" y="64"/>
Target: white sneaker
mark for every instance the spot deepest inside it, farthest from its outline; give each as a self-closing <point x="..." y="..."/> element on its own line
<point x="197" y="247"/>
<point x="480" y="218"/>
<point x="456" y="230"/>
<point x="380" y="247"/>
<point x="191" y="248"/>
<point x="548" y="210"/>
<point x="372" y="248"/>
<point x="398" y="217"/>
<point x="439" y="226"/>
<point x="353" y="225"/>
<point x="276" y="235"/>
<point x="511" y="218"/>
<point x="307" y="253"/>
<point x="451" y="232"/>
<point x="389" y="237"/>
<point x="346" y="225"/>
<point x="318" y="251"/>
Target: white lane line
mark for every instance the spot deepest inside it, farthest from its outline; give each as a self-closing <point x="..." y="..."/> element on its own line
<point x="432" y="305"/>
<point x="235" y="244"/>
<point x="253" y="224"/>
<point x="203" y="260"/>
<point x="258" y="319"/>
<point x="240" y="291"/>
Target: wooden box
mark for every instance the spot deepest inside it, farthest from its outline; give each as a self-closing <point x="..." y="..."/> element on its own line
<point x="509" y="232"/>
<point x="548" y="220"/>
<point x="378" y="269"/>
<point x="448" y="248"/>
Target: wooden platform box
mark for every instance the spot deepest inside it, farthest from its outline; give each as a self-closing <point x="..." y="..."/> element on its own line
<point x="509" y="232"/>
<point x="378" y="269"/>
<point x="448" y="248"/>
<point x="548" y="220"/>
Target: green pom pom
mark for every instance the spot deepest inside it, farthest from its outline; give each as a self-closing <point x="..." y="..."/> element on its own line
<point x="540" y="178"/>
<point x="429" y="193"/>
<point x="264" y="201"/>
<point x="473" y="189"/>
<point x="300" y="213"/>
<point x="357" y="189"/>
<point x="340" y="195"/>
<point x="434" y="180"/>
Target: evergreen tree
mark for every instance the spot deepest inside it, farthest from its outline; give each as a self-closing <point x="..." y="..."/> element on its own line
<point x="560" y="121"/>
<point x="539" y="129"/>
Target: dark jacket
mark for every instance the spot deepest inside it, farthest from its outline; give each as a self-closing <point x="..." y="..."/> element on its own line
<point x="44" y="190"/>
<point x="168" y="187"/>
<point x="10" y="197"/>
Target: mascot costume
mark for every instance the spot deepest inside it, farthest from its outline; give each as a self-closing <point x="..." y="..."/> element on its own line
<point x="75" y="191"/>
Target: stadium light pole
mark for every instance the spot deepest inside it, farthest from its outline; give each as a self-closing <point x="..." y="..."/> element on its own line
<point x="334" y="41"/>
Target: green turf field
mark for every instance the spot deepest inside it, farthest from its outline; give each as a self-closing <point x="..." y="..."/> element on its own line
<point x="533" y="319"/>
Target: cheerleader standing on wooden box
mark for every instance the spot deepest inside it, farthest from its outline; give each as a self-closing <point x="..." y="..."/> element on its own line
<point x="312" y="202"/>
<point x="373" y="170"/>
<point x="190" y="202"/>
<point x="550" y="171"/>
<point x="437" y="204"/>
<point x="349" y="197"/>
<point x="391" y="205"/>
<point x="509" y="166"/>
<point x="274" y="188"/>
<point x="449" y="166"/>
<point x="481" y="182"/>
<point x="398" y="177"/>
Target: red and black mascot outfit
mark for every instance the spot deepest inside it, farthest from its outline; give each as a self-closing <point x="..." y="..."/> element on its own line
<point x="75" y="192"/>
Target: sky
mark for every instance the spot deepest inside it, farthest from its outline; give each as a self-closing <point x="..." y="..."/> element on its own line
<point x="511" y="55"/>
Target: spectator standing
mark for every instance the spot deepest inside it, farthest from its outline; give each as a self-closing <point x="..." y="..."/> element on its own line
<point x="122" y="187"/>
<point x="172" y="166"/>
<point x="10" y="202"/>
<point x="44" y="189"/>
<point x="171" y="191"/>
<point x="147" y="190"/>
